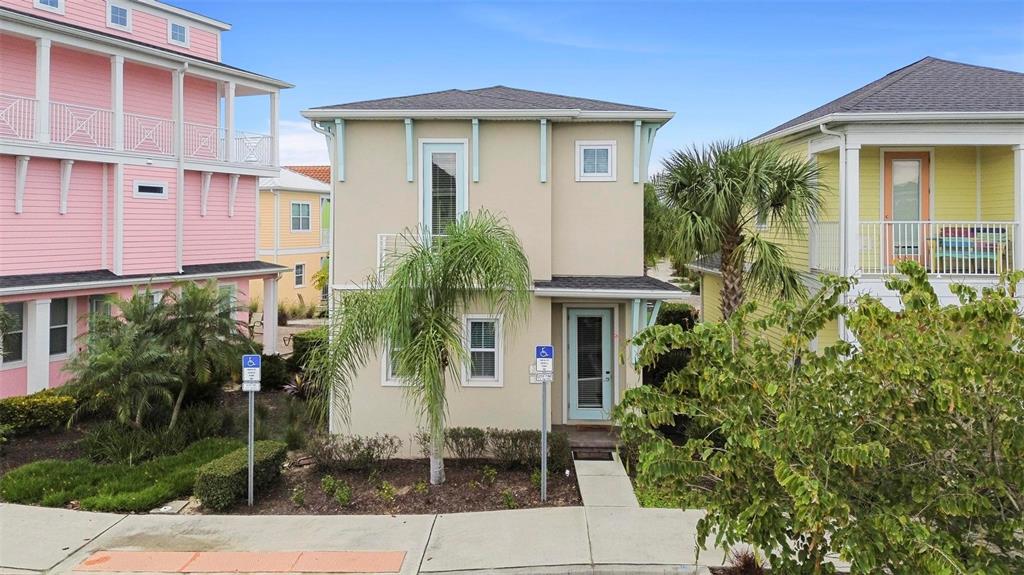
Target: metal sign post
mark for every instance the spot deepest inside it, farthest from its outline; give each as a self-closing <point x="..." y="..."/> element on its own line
<point x="543" y="372"/>
<point x="251" y="367"/>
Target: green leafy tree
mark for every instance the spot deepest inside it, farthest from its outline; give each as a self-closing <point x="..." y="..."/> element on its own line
<point x="124" y="363"/>
<point x="418" y="311"/>
<point x="725" y="197"/>
<point x="204" y="335"/>
<point x="903" y="453"/>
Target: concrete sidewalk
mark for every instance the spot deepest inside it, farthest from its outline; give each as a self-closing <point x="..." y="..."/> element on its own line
<point x="551" y="540"/>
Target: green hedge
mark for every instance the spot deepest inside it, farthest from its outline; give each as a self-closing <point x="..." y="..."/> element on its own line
<point x="112" y="487"/>
<point x="302" y="343"/>
<point x="222" y="482"/>
<point x="37" y="411"/>
<point x="521" y="448"/>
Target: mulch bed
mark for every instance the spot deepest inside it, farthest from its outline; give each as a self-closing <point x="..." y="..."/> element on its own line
<point x="464" y="490"/>
<point x="57" y="444"/>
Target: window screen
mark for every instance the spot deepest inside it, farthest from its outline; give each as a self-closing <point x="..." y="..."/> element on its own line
<point x="59" y="326"/>
<point x="444" y="193"/>
<point x="483" y="349"/>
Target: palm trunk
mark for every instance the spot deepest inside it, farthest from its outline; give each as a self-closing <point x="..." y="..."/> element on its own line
<point x="177" y="405"/>
<point x="732" y="278"/>
<point x="436" y="457"/>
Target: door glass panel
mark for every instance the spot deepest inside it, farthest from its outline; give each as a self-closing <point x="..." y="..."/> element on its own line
<point x="906" y="206"/>
<point x="443" y="192"/>
<point x="590" y="362"/>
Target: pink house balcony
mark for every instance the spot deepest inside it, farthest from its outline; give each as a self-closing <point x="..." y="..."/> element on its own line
<point x="17" y="117"/>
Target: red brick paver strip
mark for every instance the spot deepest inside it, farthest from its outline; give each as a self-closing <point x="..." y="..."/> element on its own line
<point x="244" y="562"/>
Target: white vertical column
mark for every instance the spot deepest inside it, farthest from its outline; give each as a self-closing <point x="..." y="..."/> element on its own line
<point x="543" y="151"/>
<point x="275" y="141"/>
<point x="117" y="98"/>
<point x="43" y="90"/>
<point x="118" y="219"/>
<point x="270" y="315"/>
<point x="851" y="240"/>
<point x="37" y="330"/>
<point x="178" y="81"/>
<point x="229" y="121"/>
<point x="1018" y="206"/>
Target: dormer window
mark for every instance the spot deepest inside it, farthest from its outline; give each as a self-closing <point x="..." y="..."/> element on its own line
<point x="119" y="16"/>
<point x="177" y="33"/>
<point x="51" y="5"/>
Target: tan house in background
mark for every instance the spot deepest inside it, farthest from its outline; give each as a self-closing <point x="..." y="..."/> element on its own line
<point x="294" y="227"/>
<point x="568" y="175"/>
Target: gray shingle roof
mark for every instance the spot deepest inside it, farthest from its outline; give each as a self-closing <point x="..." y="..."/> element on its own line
<point x="94" y="276"/>
<point x="928" y="85"/>
<point x="493" y="98"/>
<point x="646" y="283"/>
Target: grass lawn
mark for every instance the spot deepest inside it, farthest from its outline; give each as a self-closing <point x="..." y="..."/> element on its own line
<point x="98" y="487"/>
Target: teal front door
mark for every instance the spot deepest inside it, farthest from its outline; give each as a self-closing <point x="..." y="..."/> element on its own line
<point x="590" y="364"/>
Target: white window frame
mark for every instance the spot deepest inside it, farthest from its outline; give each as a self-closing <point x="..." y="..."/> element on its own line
<point x="146" y="195"/>
<point x="462" y="195"/>
<point x="291" y="217"/>
<point x="499" y="359"/>
<point x="295" y="271"/>
<point x="70" y="325"/>
<point x="127" y="27"/>
<point x="170" y="36"/>
<point x="157" y="295"/>
<point x="58" y="9"/>
<point x="24" y="342"/>
<point x="609" y="145"/>
<point x="387" y="379"/>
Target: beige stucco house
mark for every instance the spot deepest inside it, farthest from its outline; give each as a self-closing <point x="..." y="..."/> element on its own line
<point x="568" y="175"/>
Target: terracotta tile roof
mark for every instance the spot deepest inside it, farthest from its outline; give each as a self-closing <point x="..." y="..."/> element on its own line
<point x="322" y="173"/>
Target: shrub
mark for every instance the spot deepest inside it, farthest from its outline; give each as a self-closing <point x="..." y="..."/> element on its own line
<point x="282" y="315"/>
<point x="509" y="499"/>
<point x="113" y="487"/>
<point x="521" y="448"/>
<point x="274" y="374"/>
<point x="386" y="492"/>
<point x="5" y="435"/>
<point x="206" y="420"/>
<point x="113" y="442"/>
<point x="422" y="439"/>
<point x="466" y="442"/>
<point x="298" y="496"/>
<point x="45" y="409"/>
<point x="223" y="481"/>
<point x="337" y="489"/>
<point x="490" y="474"/>
<point x="353" y="452"/>
<point x="302" y="343"/>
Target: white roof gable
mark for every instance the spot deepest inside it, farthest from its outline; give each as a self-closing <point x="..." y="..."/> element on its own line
<point x="290" y="180"/>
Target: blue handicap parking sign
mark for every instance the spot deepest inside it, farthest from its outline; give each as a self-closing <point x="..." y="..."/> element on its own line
<point x="545" y="352"/>
<point x="251" y="361"/>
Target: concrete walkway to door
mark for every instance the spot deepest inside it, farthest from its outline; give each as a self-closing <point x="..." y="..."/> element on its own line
<point x="589" y="539"/>
<point x="605" y="484"/>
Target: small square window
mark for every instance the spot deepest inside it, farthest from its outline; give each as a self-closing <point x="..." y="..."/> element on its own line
<point x="595" y="161"/>
<point x="483" y="335"/>
<point x="13" y="342"/>
<point x="300" y="217"/>
<point x="300" y="275"/>
<point x="118" y="16"/>
<point x="51" y="5"/>
<point x="177" y="33"/>
<point x="150" y="190"/>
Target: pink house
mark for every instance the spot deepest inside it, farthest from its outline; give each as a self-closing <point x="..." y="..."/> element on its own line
<point x="120" y="166"/>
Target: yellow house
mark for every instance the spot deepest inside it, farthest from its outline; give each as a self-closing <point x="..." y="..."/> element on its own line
<point x="927" y="164"/>
<point x="294" y="226"/>
<point x="567" y="173"/>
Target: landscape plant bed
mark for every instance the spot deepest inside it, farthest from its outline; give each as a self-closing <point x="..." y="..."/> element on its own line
<point x="60" y="443"/>
<point x="466" y="489"/>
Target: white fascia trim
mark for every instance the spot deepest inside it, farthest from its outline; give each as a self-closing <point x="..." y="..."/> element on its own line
<point x="291" y="251"/>
<point x="607" y="293"/>
<point x="893" y="117"/>
<point x="706" y="270"/>
<point x="137" y="280"/>
<point x="530" y="114"/>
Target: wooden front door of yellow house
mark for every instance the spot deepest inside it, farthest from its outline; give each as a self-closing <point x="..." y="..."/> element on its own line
<point x="906" y="205"/>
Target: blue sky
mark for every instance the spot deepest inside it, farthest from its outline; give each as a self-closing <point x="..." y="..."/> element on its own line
<point x="728" y="69"/>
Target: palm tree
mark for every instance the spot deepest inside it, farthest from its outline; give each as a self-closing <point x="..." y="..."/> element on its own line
<point x="203" y="333"/>
<point x="417" y="312"/>
<point x="726" y="196"/>
<point x="658" y="225"/>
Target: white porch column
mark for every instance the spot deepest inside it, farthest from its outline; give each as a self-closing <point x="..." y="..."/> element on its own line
<point x="275" y="141"/>
<point x="229" y="121"/>
<point x="270" y="315"/>
<point x="43" y="90"/>
<point x="1018" y="206"/>
<point x="37" y="356"/>
<point x="117" y="98"/>
<point x="851" y="239"/>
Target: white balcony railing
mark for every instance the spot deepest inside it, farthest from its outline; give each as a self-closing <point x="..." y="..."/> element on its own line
<point x="391" y="246"/>
<point x="254" y="149"/>
<point x="325" y="237"/>
<point x="148" y="134"/>
<point x="825" y="247"/>
<point x="968" y="248"/>
<point x="204" y="142"/>
<point x="17" y="117"/>
<point x="85" y="126"/>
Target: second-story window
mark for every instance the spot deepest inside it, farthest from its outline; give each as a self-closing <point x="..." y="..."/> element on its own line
<point x="119" y="16"/>
<point x="51" y="5"/>
<point x="177" y="33"/>
<point x="595" y="161"/>
<point x="444" y="194"/>
<point x="300" y="217"/>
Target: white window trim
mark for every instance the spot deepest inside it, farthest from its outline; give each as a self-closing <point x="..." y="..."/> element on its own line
<point x="499" y="353"/>
<point x="24" y="344"/>
<point x="128" y="10"/>
<point x="291" y="218"/>
<point x="72" y="323"/>
<point x="385" y="370"/>
<point x="59" y="9"/>
<point x="295" y="271"/>
<point x="608" y="176"/>
<point x="422" y="185"/>
<point x="147" y="196"/>
<point x="170" y="37"/>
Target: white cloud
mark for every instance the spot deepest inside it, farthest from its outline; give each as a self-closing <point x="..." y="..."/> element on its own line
<point x="301" y="145"/>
